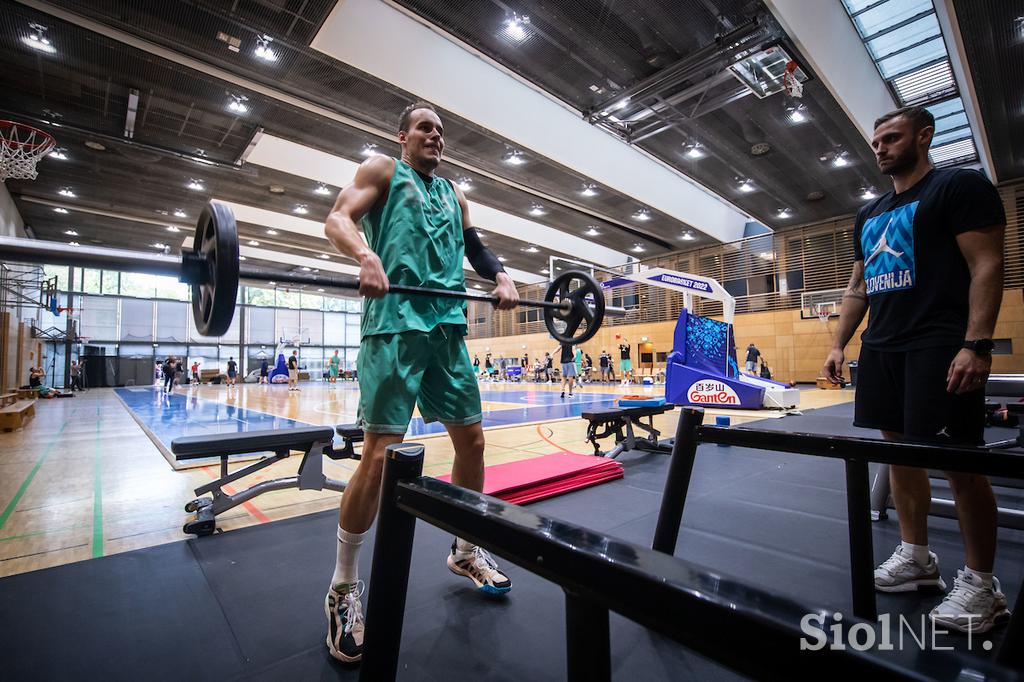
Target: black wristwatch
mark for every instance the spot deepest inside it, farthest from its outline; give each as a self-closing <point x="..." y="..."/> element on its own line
<point x="980" y="346"/>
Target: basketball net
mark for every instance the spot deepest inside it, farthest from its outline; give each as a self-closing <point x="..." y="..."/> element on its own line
<point x="823" y="314"/>
<point x="21" y="148"/>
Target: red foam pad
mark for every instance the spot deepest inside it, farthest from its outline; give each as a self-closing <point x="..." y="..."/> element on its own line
<point x="535" y="479"/>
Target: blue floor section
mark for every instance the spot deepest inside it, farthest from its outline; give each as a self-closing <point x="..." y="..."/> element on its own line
<point x="537" y="406"/>
<point x="170" y="416"/>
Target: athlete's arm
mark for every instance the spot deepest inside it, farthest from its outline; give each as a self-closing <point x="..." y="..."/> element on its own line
<point x="483" y="261"/>
<point x="851" y="312"/>
<point x="369" y="186"/>
<point x="983" y="251"/>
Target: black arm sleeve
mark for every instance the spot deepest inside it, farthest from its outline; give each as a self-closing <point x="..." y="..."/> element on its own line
<point x="482" y="260"/>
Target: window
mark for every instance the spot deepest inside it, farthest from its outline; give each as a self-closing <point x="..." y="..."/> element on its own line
<point x="255" y="296"/>
<point x="171" y="321"/>
<point x="136" y="320"/>
<point x="111" y="282"/>
<point x="90" y="283"/>
<point x="904" y="40"/>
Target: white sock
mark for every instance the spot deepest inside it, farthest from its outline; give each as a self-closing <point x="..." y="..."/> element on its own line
<point x="463" y="549"/>
<point x="918" y="552"/>
<point x="985" y="578"/>
<point x="346" y="567"/>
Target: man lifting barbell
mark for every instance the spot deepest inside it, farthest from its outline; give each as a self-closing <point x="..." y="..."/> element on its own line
<point x="412" y="352"/>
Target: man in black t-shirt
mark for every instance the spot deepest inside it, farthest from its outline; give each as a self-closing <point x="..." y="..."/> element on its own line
<point x="752" y="355"/>
<point x="625" y="363"/>
<point x="293" y="371"/>
<point x="232" y="371"/>
<point x="929" y="268"/>
<point x="568" y="368"/>
<point x="607" y="371"/>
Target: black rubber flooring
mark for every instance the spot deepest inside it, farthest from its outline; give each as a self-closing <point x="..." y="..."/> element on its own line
<point x="249" y="604"/>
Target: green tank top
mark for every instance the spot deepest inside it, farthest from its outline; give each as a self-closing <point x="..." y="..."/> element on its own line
<point x="417" y="233"/>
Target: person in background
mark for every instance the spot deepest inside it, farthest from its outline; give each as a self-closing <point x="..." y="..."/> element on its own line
<point x="293" y="371"/>
<point x="264" y="371"/>
<point x="195" y="371"/>
<point x="168" y="372"/>
<point x="232" y="371"/>
<point x="76" y="376"/>
<point x="334" y="368"/>
<point x="752" y="356"/>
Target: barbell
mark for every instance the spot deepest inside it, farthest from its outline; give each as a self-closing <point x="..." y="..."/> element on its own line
<point x="211" y="268"/>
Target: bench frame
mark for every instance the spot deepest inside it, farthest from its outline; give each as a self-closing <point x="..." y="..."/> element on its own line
<point x="615" y="420"/>
<point x="310" y="477"/>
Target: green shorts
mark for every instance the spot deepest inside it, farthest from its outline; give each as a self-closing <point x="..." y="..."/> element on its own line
<point x="430" y="370"/>
<point x="626" y="365"/>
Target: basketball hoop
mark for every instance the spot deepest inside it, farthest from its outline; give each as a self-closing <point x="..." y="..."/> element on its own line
<point x="824" y="312"/>
<point x="21" y="147"/>
<point x="792" y="85"/>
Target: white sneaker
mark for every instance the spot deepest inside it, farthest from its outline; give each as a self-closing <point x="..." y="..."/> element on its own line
<point x="482" y="570"/>
<point x="970" y="607"/>
<point x="900" y="573"/>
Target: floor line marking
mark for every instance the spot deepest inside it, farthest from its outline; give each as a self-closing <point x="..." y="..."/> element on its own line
<point x="9" y="509"/>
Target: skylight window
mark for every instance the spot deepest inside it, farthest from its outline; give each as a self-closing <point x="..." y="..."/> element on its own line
<point x="904" y="40"/>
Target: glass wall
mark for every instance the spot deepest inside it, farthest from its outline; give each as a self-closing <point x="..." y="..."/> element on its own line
<point x="146" y="318"/>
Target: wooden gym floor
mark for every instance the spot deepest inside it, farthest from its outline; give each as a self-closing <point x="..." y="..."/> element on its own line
<point x="82" y="479"/>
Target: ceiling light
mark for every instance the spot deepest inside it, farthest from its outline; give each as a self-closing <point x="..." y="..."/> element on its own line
<point x="60" y="210"/>
<point x="695" y="151"/>
<point x="237" y="103"/>
<point x="322" y="189"/>
<point x="158" y="245"/>
<point x="197" y="185"/>
<point x="515" y="28"/>
<point x="38" y="40"/>
<point x="642" y="214"/>
<point x="263" y="50"/>
<point x="687" y="236"/>
<point x="465" y="184"/>
<point x="67" y="192"/>
<point x="544" y="271"/>
<point x="502" y="259"/>
<point x="840" y="160"/>
<point x="784" y="213"/>
<point x="253" y="242"/>
<point x="477" y="286"/>
<point x="178" y="213"/>
<point x="72" y="243"/>
<point x="172" y="228"/>
<point x="537" y="210"/>
<point x="71" y="233"/>
<point x="797" y="115"/>
<point x="241" y="258"/>
<point x="273" y="284"/>
<point x="531" y="249"/>
<point x="745" y="186"/>
<point x="514" y="158"/>
<point x="94" y="145"/>
<point x="325" y="256"/>
<point x="59" y="153"/>
<point x="589" y="190"/>
<point x="276" y="189"/>
<point x="592" y="231"/>
<point x="638" y="248"/>
<point x="300" y="209"/>
<point x="306" y="268"/>
<point x="867" y="193"/>
<point x="320" y="290"/>
<point x="369" y="149"/>
<point x="271" y="231"/>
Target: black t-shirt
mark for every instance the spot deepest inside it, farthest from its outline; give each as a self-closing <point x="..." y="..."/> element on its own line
<point x="624" y="351"/>
<point x="547" y="362"/>
<point x="476" y="362"/>
<point x="917" y="279"/>
<point x="293" y="362"/>
<point x="567" y="355"/>
<point x="753" y="354"/>
<point x="263" y="367"/>
<point x="604" y="359"/>
<point x="232" y="366"/>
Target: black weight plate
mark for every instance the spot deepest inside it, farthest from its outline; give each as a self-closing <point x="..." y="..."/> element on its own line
<point x="216" y="243"/>
<point x="574" y="286"/>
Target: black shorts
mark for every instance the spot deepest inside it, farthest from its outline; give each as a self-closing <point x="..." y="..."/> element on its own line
<point x="905" y="392"/>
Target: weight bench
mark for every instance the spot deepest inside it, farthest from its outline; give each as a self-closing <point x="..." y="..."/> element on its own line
<point x="350" y="435"/>
<point x="615" y="420"/>
<point x="313" y="441"/>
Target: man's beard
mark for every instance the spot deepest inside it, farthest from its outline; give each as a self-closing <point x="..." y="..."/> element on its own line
<point x="902" y="163"/>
